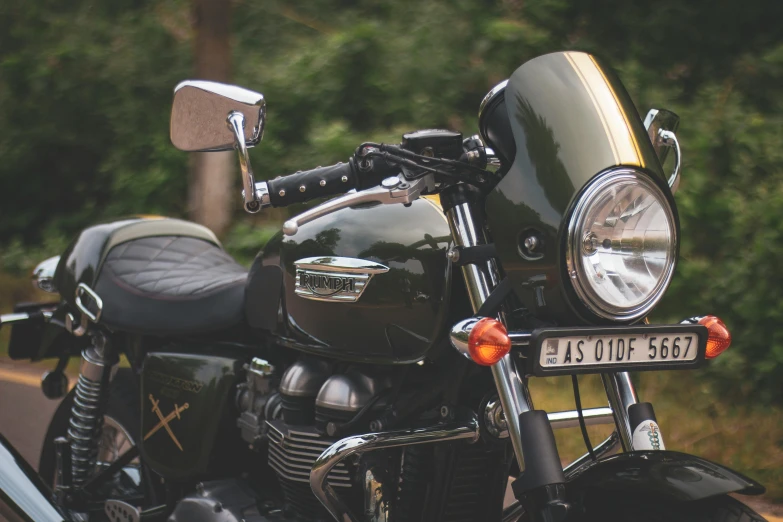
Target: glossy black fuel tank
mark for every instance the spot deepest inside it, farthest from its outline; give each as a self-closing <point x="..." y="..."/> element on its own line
<point x="400" y="313"/>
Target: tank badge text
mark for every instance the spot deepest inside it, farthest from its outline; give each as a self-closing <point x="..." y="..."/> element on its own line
<point x="338" y="279"/>
<point x="174" y="382"/>
<point x="164" y="421"/>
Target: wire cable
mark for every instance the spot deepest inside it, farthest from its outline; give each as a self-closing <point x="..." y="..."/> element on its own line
<point x="582" y="425"/>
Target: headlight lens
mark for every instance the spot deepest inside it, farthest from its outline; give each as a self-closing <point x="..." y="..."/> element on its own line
<point x="621" y="245"/>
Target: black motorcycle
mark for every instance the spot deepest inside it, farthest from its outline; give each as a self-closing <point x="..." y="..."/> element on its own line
<point x="352" y="373"/>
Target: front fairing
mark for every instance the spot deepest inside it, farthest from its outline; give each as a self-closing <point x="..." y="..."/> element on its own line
<point x="571" y="119"/>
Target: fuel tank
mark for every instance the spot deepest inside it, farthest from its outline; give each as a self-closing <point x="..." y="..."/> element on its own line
<point x="366" y="284"/>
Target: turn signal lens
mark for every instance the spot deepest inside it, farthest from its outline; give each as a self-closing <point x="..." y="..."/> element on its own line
<point x="488" y="342"/>
<point x="719" y="338"/>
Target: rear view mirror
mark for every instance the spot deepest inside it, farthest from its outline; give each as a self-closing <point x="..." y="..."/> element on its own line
<point x="200" y="116"/>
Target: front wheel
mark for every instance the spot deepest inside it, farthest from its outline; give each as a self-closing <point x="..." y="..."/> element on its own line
<point x="714" y="509"/>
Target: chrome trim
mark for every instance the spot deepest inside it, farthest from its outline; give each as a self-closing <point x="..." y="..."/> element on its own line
<point x="669" y="139"/>
<point x="493" y="161"/>
<point x="479" y="280"/>
<point x="494" y="420"/>
<point x="621" y="394"/>
<point x="236" y="122"/>
<point x="359" y="444"/>
<point x="14" y="318"/>
<point x="661" y="125"/>
<point x="460" y="333"/>
<point x="574" y="249"/>
<point x="348" y="265"/>
<point x="570" y="418"/>
<point x="404" y="192"/>
<point x="341" y="279"/>
<point x="262" y="194"/>
<point x="376" y="506"/>
<point x="82" y="290"/>
<point x="491" y="94"/>
<point x="43" y="274"/>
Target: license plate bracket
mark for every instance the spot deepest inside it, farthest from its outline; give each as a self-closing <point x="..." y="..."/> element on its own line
<point x="646" y="352"/>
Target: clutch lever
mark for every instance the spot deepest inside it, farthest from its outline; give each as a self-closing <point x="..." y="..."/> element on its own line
<point x="392" y="190"/>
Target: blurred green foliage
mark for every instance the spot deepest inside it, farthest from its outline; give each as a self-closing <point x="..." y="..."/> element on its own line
<point x="85" y="89"/>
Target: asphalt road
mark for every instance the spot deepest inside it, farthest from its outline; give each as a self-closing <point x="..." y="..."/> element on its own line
<point x="24" y="410"/>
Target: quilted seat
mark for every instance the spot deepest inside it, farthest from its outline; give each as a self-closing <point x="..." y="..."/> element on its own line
<point x="170" y="285"/>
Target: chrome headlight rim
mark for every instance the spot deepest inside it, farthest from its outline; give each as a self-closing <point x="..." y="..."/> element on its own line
<point x="573" y="242"/>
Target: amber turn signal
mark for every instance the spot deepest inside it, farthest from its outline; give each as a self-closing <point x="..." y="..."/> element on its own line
<point x="719" y="338"/>
<point x="488" y="342"/>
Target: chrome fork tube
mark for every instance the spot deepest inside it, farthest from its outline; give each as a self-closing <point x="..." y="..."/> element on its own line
<point x="621" y="394"/>
<point x="514" y="395"/>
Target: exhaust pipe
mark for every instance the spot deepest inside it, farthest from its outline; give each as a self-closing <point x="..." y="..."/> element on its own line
<point x="23" y="494"/>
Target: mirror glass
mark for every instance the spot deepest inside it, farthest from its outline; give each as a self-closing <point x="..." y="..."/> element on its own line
<point x="200" y="111"/>
<point x="656" y="120"/>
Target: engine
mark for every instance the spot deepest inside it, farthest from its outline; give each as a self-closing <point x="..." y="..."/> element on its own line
<point x="299" y="416"/>
<point x="295" y="416"/>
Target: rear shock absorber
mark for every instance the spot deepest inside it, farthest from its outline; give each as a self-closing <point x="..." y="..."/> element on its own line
<point x="89" y="404"/>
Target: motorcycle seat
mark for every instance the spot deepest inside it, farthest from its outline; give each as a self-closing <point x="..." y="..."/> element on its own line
<point x="155" y="276"/>
<point x="170" y="285"/>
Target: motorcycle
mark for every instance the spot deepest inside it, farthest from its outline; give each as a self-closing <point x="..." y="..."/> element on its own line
<point x="352" y="373"/>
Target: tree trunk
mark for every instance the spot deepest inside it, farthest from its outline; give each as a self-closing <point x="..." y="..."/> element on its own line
<point x="210" y="199"/>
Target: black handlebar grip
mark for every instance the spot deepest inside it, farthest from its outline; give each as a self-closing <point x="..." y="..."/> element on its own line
<point x="309" y="184"/>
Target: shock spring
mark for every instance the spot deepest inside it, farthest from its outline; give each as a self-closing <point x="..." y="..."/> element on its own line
<point x="89" y="405"/>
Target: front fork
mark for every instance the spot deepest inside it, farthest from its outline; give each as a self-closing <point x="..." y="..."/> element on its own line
<point x="540" y="487"/>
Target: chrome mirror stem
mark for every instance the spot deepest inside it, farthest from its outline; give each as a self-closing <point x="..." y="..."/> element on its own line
<point x="236" y="122"/>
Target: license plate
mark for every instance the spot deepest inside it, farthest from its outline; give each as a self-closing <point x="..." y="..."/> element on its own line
<point x="559" y="351"/>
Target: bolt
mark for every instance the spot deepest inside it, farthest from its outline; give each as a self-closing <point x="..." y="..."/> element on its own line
<point x="428" y="152"/>
<point x="281" y="193"/>
<point x="376" y="425"/>
<point x="531" y="243"/>
<point x="453" y="255"/>
<point x="302" y="188"/>
<point x="344" y="179"/>
<point x="444" y="411"/>
<point x="218" y="507"/>
<point x="322" y="182"/>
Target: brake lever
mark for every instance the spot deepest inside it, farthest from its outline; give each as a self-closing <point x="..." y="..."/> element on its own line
<point x="392" y="190"/>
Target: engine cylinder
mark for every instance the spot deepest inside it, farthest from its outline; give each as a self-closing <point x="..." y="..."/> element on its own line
<point x="299" y="386"/>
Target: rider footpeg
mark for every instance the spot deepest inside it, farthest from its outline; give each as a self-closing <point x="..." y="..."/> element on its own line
<point x="119" y="511"/>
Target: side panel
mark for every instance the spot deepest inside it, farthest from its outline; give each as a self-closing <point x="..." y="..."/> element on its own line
<point x="185" y="400"/>
<point x="401" y="312"/>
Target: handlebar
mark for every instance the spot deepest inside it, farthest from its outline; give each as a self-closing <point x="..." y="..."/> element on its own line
<point x="310" y="184"/>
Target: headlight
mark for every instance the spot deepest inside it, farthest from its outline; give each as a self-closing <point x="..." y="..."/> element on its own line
<point x="622" y="240"/>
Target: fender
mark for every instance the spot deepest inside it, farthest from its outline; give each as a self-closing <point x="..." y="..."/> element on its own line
<point x="666" y="474"/>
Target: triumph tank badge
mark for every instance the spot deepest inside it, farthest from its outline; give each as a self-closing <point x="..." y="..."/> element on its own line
<point x="338" y="279"/>
<point x="164" y="421"/>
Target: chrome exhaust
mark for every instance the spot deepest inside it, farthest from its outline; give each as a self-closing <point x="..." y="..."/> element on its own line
<point x="467" y="429"/>
<point x="23" y="495"/>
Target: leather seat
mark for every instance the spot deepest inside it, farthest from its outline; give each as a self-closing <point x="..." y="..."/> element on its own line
<point x="170" y="285"/>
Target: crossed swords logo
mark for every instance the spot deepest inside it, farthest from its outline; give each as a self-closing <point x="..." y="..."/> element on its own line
<point x="164" y="421"/>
